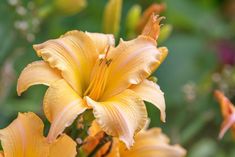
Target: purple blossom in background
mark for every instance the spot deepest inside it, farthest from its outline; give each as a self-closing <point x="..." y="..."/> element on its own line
<point x="226" y="51"/>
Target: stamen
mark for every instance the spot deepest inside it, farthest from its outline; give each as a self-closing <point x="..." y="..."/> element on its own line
<point x="101" y="60"/>
<point x="107" y="50"/>
<point x="108" y="62"/>
<point x="99" y="78"/>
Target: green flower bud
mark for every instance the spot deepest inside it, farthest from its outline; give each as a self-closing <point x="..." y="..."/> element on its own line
<point x="132" y="20"/>
<point x="112" y="17"/>
<point x="165" y="32"/>
<point x="153" y="78"/>
<point x="70" y="7"/>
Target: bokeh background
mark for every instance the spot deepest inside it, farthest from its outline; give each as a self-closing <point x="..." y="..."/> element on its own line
<point x="201" y="58"/>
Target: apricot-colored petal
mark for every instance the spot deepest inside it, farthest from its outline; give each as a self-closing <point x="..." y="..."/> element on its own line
<point x="24" y="137"/>
<point x="61" y="106"/>
<point x="110" y="149"/>
<point x="64" y="146"/>
<point x="152" y="143"/>
<point x="121" y="116"/>
<point x="152" y="28"/>
<point x="35" y="73"/>
<point x="132" y="62"/>
<point x="151" y="92"/>
<point x="102" y="41"/>
<point x="74" y="54"/>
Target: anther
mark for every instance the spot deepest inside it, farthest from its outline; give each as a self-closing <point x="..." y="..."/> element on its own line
<point x="108" y="62"/>
<point x="101" y="60"/>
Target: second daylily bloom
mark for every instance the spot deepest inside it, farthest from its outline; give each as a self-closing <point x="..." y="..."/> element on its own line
<point x="24" y="138"/>
<point x="85" y="70"/>
<point x="228" y="113"/>
<point x="150" y="143"/>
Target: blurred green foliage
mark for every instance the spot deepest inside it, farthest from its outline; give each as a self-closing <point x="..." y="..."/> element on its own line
<point x="193" y="69"/>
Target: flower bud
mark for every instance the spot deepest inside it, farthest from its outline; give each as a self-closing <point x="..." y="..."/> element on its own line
<point x="165" y="32"/>
<point x="132" y="19"/>
<point x="112" y="17"/>
<point x="70" y="7"/>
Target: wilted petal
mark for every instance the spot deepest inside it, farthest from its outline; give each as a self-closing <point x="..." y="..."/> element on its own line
<point x="228" y="112"/>
<point x="151" y="92"/>
<point x="24" y="137"/>
<point x="102" y="41"/>
<point x="110" y="149"/>
<point x="153" y="9"/>
<point x="64" y="146"/>
<point x="95" y="136"/>
<point x="35" y="73"/>
<point x="114" y="152"/>
<point x="121" y="116"/>
<point x="61" y="106"/>
<point x="91" y="143"/>
<point x="152" y="28"/>
<point x="132" y="62"/>
<point x="152" y="143"/>
<point x="74" y="54"/>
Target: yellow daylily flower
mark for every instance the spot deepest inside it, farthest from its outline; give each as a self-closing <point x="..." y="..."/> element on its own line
<point x="150" y="143"/>
<point x="85" y="70"/>
<point x="228" y="113"/>
<point x="24" y="138"/>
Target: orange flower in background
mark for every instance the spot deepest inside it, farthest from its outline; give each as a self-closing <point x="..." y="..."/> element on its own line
<point x="85" y="71"/>
<point x="24" y="138"/>
<point x="228" y="113"/>
<point x="148" y="143"/>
